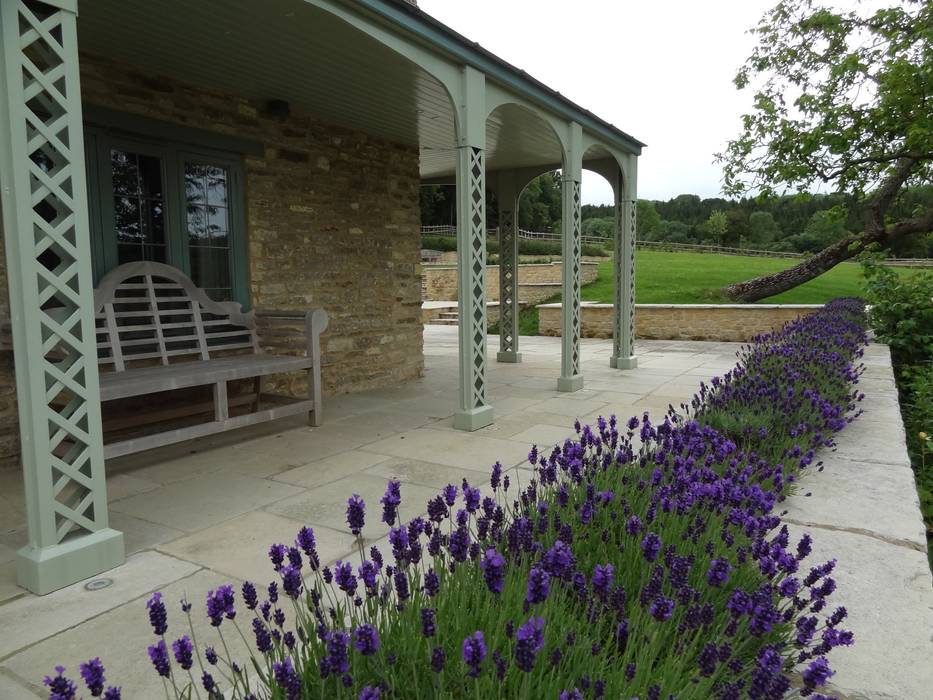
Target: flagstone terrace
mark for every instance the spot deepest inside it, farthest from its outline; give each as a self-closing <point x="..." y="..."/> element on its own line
<point x="204" y="513"/>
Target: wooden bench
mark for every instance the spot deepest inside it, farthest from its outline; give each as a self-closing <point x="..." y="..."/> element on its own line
<point x="157" y="331"/>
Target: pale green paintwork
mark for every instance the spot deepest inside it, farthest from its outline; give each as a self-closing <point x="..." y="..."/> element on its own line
<point x="62" y="452"/>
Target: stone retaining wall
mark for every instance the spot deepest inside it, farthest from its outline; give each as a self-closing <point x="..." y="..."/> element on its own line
<point x="333" y="221"/>
<point x="723" y="322"/>
<point x="441" y="282"/>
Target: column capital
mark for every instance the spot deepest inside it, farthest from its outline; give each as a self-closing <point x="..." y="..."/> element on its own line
<point x="471" y="109"/>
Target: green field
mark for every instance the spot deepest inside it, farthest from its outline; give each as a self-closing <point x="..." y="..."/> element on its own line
<point x="695" y="278"/>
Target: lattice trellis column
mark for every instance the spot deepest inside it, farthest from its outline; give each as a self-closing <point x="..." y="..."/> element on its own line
<point x="571" y="376"/>
<point x="45" y="224"/>
<point x="623" y="262"/>
<point x="474" y="412"/>
<point x="508" y="270"/>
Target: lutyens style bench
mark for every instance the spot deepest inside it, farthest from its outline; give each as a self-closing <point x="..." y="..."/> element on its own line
<point x="157" y="332"/>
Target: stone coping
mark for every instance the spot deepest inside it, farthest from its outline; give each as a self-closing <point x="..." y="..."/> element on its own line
<point x="453" y="266"/>
<point x="862" y="509"/>
<point x="597" y="305"/>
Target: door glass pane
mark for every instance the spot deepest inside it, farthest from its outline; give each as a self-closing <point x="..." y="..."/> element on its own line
<point x="138" y="206"/>
<point x="208" y="222"/>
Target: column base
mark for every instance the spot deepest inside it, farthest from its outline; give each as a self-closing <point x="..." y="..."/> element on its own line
<point x="46" y="569"/>
<point x="473" y="419"/>
<point x="574" y="383"/>
<point x="508" y="356"/>
<point x="630" y="362"/>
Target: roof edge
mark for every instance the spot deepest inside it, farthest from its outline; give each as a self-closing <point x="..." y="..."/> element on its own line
<point x="439" y="36"/>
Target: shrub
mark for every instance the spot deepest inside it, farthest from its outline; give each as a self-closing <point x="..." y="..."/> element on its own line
<point x="640" y="559"/>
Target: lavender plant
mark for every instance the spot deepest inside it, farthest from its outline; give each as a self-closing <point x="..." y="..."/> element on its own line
<point x="638" y="560"/>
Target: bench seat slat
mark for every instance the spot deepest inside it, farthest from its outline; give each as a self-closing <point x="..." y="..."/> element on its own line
<point x="149" y="380"/>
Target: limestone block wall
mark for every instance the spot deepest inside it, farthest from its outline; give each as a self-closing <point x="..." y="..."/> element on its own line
<point x="723" y="322"/>
<point x="441" y="281"/>
<point x="333" y="221"/>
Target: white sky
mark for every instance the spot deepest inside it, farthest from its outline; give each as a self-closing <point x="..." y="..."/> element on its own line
<point x="660" y="70"/>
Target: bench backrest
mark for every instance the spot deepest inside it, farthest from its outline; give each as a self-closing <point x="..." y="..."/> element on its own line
<point x="148" y="312"/>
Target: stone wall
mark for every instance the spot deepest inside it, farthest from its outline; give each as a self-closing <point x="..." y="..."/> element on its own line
<point x="441" y="282"/>
<point x="332" y="221"/>
<point x="724" y="322"/>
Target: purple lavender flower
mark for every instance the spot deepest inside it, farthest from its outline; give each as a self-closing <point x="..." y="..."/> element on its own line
<point x="718" y="572"/>
<point x="277" y="554"/>
<point x="211" y="655"/>
<point x="529" y="640"/>
<point x="390" y="502"/>
<point x="291" y="581"/>
<point x="559" y="561"/>
<point x="183" y="650"/>
<point x="158" y="617"/>
<point x="495" y="477"/>
<point x="450" y="495"/>
<point x="338" y="644"/>
<point x="471" y="498"/>
<point x="248" y="590"/>
<point x="93" y="674"/>
<point x="366" y="639"/>
<point x="651" y="546"/>
<point x="539" y="585"/>
<point x="432" y="583"/>
<point x="287" y="679"/>
<point x="573" y="694"/>
<point x="438" y="658"/>
<point x="370" y="693"/>
<point x="220" y="604"/>
<point x="263" y="640"/>
<point x="493" y="566"/>
<point x="113" y="693"/>
<point x="437" y="509"/>
<point x="662" y="608"/>
<point x="356" y="513"/>
<point x="474" y="651"/>
<point x="428" y="622"/>
<point x="207" y="680"/>
<point x="603" y="576"/>
<point x="60" y="687"/>
<point x="367" y="572"/>
<point x="344" y="578"/>
<point x="158" y="654"/>
<point x="817" y="673"/>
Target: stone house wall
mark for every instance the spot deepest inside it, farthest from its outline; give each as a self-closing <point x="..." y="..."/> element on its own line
<point x="332" y="220"/>
<point x="723" y="322"/>
<point x="440" y="283"/>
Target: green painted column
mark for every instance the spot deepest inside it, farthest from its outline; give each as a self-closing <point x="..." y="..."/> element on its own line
<point x="623" y="263"/>
<point x="474" y="412"/>
<point x="508" y="269"/>
<point x="48" y="258"/>
<point x="571" y="375"/>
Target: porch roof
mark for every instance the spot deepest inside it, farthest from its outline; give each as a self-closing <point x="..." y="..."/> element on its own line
<point x="304" y="52"/>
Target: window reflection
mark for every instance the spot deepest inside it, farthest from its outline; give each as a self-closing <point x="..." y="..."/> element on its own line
<point x="138" y="206"/>
<point x="208" y="225"/>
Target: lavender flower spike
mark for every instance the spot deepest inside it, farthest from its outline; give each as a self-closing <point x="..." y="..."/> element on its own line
<point x="356" y="513"/>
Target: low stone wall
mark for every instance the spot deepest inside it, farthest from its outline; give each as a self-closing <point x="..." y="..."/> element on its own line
<point x="723" y="322"/>
<point x="440" y="282"/>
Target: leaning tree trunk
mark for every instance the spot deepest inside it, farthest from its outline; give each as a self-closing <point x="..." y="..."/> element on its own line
<point x="814" y="266"/>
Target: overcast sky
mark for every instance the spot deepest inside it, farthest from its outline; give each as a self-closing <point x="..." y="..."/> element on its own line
<point x="660" y="70"/>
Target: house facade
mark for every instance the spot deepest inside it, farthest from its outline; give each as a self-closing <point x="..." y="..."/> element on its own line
<point x="273" y="151"/>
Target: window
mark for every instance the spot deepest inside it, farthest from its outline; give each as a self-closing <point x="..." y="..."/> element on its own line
<point x="170" y="203"/>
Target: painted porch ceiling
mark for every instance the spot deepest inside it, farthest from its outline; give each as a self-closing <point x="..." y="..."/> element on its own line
<point x="289" y="50"/>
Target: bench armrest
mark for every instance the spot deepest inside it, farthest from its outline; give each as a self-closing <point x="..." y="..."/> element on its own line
<point x="315" y="323"/>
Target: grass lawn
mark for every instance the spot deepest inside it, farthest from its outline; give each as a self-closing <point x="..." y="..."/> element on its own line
<point x="695" y="278"/>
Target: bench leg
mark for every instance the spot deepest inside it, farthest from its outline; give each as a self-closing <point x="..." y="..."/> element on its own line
<point x="221" y="407"/>
<point x="257" y="387"/>
<point x="314" y="394"/>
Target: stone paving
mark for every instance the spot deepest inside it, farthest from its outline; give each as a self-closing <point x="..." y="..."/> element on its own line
<point x="203" y="513"/>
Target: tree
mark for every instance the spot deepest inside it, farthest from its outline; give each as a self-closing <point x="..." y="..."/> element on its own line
<point x="843" y="102"/>
<point x="716" y="226"/>
<point x="762" y="228"/>
<point x="647" y="220"/>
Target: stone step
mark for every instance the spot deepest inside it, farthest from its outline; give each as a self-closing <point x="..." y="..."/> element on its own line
<point x="443" y="322"/>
